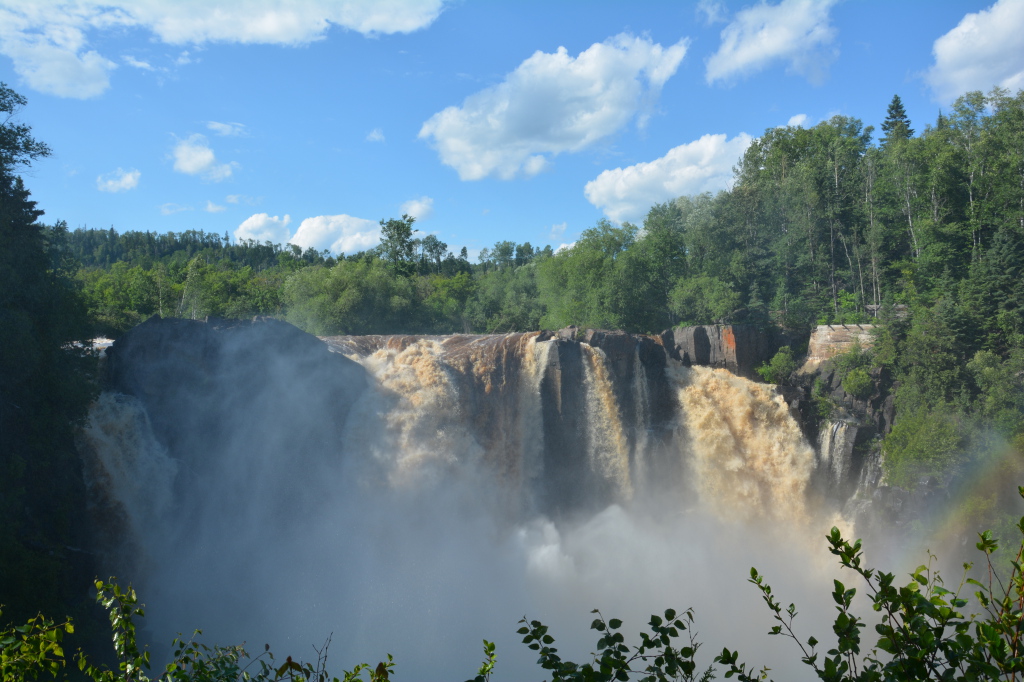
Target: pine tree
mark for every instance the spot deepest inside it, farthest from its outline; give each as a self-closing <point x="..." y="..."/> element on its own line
<point x="44" y="391"/>
<point x="896" y="125"/>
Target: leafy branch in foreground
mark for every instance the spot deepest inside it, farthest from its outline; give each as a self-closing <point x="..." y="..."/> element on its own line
<point x="924" y="633"/>
<point x="654" y="660"/>
<point x="33" y="648"/>
<point x="33" y="651"/>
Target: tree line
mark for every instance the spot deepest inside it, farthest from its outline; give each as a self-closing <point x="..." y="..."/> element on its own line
<point x="821" y="225"/>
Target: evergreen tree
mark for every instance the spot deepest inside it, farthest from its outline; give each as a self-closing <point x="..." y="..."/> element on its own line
<point x="896" y="125"/>
<point x="44" y="390"/>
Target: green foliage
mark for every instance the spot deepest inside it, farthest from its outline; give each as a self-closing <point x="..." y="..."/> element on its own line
<point x="823" y="404"/>
<point x="656" y="658"/>
<point x="483" y="674"/>
<point x="896" y="125"/>
<point x="1000" y="399"/>
<point x="924" y="633"/>
<point x="854" y="358"/>
<point x="781" y="366"/>
<point x="396" y="244"/>
<point x="858" y="383"/>
<point x="703" y="300"/>
<point x="923" y="443"/>
<point x="32" y="650"/>
<point x="583" y="285"/>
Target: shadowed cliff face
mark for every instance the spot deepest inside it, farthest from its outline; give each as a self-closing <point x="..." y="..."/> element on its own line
<point x="739" y="348"/>
<point x="242" y="386"/>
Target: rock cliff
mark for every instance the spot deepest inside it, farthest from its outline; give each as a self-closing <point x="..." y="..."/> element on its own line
<point x="739" y="348"/>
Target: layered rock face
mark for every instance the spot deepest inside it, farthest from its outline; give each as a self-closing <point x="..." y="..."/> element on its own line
<point x="830" y="340"/>
<point x="739" y="348"/>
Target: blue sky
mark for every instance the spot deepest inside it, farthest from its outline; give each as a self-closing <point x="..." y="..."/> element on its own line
<point x="308" y="121"/>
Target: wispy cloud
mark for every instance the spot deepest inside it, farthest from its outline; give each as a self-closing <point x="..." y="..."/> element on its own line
<point x="171" y="208"/>
<point x="375" y="135"/>
<point x="118" y="181"/>
<point x="557" y="231"/>
<point x="712" y="11"/>
<point x="137" y="63"/>
<point x="226" y="128"/>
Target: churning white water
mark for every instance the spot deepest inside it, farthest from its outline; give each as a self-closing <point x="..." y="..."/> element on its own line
<point x="442" y="518"/>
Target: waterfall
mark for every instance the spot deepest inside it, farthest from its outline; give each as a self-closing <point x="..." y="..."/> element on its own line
<point x="126" y="461"/>
<point x="641" y="419"/>
<point x="381" y="487"/>
<point x="748" y="455"/>
<point x="606" y="440"/>
<point x="835" y="445"/>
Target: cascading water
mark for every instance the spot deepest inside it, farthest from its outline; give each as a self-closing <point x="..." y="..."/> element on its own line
<point x="428" y="491"/>
<point x="748" y="455"/>
<point x="605" y="440"/>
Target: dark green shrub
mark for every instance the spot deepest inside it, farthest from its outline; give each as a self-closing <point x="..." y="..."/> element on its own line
<point x="779" y="368"/>
<point x="858" y="383"/>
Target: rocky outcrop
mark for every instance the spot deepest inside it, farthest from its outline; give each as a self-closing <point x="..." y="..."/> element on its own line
<point x="830" y="340"/>
<point x="739" y="348"/>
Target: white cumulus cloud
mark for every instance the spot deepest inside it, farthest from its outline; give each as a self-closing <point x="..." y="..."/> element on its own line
<point x="263" y="227"/>
<point x="337" y="233"/>
<point x="985" y="49"/>
<point x="48" y="40"/>
<point x="552" y="103"/>
<point x="193" y="156"/>
<point x="704" y="165"/>
<point x="713" y="11"/>
<point x="420" y="209"/>
<point x="52" y="56"/>
<point x="797" y="120"/>
<point x="213" y="208"/>
<point x="118" y="181"/>
<point x="797" y="32"/>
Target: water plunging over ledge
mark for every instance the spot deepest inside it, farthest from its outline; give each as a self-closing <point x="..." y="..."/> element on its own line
<point x="262" y="483"/>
